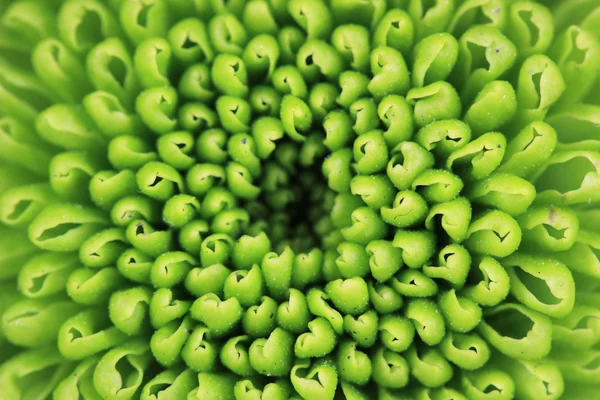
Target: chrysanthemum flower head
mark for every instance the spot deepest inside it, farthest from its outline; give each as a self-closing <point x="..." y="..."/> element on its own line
<point x="299" y="199"/>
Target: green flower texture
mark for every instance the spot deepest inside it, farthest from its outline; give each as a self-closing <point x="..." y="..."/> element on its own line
<point x="299" y="199"/>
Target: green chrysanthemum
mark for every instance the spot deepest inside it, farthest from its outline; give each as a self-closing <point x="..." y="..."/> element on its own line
<point x="299" y="199"/>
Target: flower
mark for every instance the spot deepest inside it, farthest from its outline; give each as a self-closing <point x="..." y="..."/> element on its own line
<point x="317" y="199"/>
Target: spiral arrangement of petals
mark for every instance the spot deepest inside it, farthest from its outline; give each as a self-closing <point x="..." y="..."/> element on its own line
<point x="299" y="199"/>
